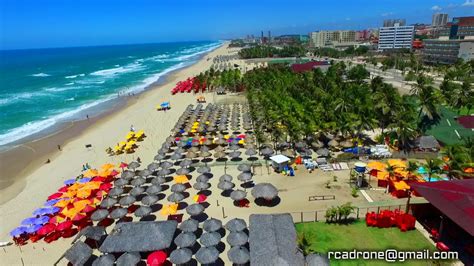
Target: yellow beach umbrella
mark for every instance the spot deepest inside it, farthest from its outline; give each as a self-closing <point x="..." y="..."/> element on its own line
<point x="181" y="179"/>
<point x="107" y="166"/>
<point x="62" y="203"/>
<point x="130" y="135"/>
<point x="90" y="173"/>
<point x="377" y="165"/>
<point x="397" y="163"/>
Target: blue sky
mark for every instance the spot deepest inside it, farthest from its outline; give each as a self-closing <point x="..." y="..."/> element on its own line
<point x="61" y="23"/>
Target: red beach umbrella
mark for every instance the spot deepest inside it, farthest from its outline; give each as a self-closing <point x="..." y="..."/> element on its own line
<point x="55" y="196"/>
<point x="114" y="173"/>
<point x="79" y="217"/>
<point x="52" y="237"/>
<point x="46" y="229"/>
<point x="156" y="258"/>
<point x="105" y="186"/>
<point x="63" y="189"/>
<point x="66" y="225"/>
<point x="123" y="165"/>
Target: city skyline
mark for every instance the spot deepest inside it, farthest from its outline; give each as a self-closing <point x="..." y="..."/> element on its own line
<point x="29" y="24"/>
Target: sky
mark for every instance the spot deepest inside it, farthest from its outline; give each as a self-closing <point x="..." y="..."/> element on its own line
<point x="64" y="23"/>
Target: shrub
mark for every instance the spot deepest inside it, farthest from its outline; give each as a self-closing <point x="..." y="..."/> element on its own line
<point x="354" y="192"/>
<point x="334" y="178"/>
<point x="328" y="184"/>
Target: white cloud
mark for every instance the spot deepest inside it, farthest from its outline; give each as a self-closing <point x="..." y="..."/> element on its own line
<point x="436" y="8"/>
<point x="468" y="3"/>
<point x="386" y="14"/>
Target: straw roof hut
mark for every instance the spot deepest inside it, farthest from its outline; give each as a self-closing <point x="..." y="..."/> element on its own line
<point x="273" y="240"/>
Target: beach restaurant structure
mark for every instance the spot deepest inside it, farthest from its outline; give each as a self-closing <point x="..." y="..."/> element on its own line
<point x="449" y="215"/>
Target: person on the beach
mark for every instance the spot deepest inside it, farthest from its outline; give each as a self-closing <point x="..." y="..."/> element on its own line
<point x="87" y="116"/>
<point x="48" y="161"/>
<point x="139" y="160"/>
<point x="59" y="147"/>
<point x="132" y="128"/>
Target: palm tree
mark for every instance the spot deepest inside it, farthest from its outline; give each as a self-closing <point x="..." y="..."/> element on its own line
<point x="432" y="166"/>
<point x="411" y="168"/>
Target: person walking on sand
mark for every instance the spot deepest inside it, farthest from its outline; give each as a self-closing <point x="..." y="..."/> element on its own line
<point x="132" y="128"/>
<point x="59" y="147"/>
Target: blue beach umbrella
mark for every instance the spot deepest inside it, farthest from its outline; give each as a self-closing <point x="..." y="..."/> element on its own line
<point x="84" y="180"/>
<point x="33" y="228"/>
<point x="28" y="221"/>
<point x="41" y="220"/>
<point x="46" y="210"/>
<point x="51" y="202"/>
<point x="70" y="181"/>
<point x="18" y="231"/>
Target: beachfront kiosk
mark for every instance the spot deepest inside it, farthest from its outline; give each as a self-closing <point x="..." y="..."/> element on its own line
<point x="359" y="170"/>
<point x="280" y="162"/>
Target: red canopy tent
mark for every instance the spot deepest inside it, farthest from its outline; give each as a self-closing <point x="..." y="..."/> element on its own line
<point x="454" y="198"/>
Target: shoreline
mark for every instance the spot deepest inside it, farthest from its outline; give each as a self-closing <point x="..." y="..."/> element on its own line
<point x="38" y="148"/>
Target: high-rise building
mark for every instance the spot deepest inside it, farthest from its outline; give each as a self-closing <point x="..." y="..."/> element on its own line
<point x="396" y="37"/>
<point x="439" y="20"/>
<point x="392" y="22"/>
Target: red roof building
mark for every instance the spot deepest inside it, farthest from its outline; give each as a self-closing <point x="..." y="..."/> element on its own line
<point x="454" y="198"/>
<point x="308" y="66"/>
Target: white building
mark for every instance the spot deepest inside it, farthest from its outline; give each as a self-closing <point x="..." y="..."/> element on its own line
<point x="396" y="37"/>
<point x="439" y="20"/>
<point x="332" y="38"/>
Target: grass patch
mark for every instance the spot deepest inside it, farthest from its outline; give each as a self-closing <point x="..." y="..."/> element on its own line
<point x="323" y="237"/>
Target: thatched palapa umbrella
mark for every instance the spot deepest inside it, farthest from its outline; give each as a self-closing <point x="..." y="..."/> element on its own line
<point x="129" y="258"/>
<point x="182" y="171"/>
<point x="133" y="165"/>
<point x="149" y="200"/>
<point x="99" y="215"/>
<point x="185" y="240"/>
<point x="118" y="213"/>
<point x="225" y="177"/>
<point x="238" y="195"/>
<point x="265" y="190"/>
<point x="136" y="191"/>
<point x="236" y="225"/>
<point x="158" y="180"/>
<point x="239" y="255"/>
<point x="163" y="172"/>
<point x="201" y="186"/>
<point x="145" y="172"/>
<point x="207" y="255"/>
<point x="181" y="256"/>
<point x="153" y="189"/>
<point x="127" y="200"/>
<point x="115" y="192"/>
<point x="186" y="163"/>
<point x="212" y="225"/>
<point x="194" y="209"/>
<point x="209" y="239"/>
<point x="108" y="202"/>
<point x="178" y="187"/>
<point x="127" y="174"/>
<point x="245" y="176"/>
<point x="138" y="181"/>
<point x="142" y="211"/>
<point x="104" y="260"/>
<point x="166" y="164"/>
<point x="243" y="167"/>
<point x="225" y="185"/>
<point x="237" y="239"/>
<point x="203" y="170"/>
<point x="202" y="178"/>
<point x="159" y="157"/>
<point x="175" y="197"/>
<point x="189" y="225"/>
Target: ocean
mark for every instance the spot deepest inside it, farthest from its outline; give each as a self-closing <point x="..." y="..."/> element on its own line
<point x="40" y="88"/>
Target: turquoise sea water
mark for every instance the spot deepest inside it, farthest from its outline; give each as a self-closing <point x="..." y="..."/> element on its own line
<point x="42" y="87"/>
